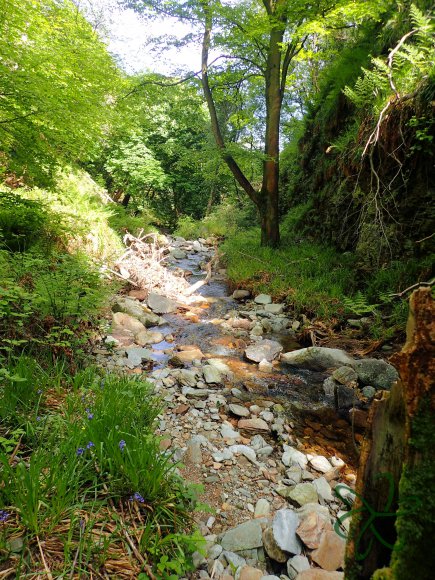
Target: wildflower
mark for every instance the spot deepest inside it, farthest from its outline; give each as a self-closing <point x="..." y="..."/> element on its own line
<point x="80" y="451"/>
<point x="122" y="444"/>
<point x="39" y="391"/>
<point x="90" y="415"/>
<point x="3" y="515"/>
<point x="137" y="497"/>
<point x="89" y="445"/>
<point x="39" y="418"/>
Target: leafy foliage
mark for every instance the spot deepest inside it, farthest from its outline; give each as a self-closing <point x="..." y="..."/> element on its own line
<point x="57" y="83"/>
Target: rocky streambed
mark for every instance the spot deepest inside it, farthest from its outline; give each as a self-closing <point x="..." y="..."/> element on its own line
<point x="265" y="426"/>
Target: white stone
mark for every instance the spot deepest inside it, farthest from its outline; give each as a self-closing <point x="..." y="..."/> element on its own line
<point x="320" y="463"/>
<point x="248" y="452"/>
<point x="263" y="299"/>
<point x="292" y="456"/>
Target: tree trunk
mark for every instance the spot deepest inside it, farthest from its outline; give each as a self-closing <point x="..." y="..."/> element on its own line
<point x="398" y="447"/>
<point x="126" y="199"/>
<point x="270" y="186"/>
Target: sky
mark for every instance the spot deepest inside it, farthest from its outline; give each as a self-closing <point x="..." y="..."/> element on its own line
<point x="127" y="35"/>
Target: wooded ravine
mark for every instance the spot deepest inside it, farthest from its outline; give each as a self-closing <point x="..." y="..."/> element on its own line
<point x="216" y="291"/>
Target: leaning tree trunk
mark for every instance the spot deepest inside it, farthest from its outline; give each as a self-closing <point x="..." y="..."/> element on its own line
<point x="393" y="511"/>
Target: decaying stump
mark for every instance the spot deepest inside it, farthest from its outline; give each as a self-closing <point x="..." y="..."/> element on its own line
<point x="397" y="470"/>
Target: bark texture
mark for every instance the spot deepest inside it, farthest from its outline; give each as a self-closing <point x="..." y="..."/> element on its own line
<point x="396" y="467"/>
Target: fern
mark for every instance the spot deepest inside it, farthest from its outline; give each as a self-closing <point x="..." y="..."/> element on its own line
<point x="413" y="61"/>
<point x="358" y="304"/>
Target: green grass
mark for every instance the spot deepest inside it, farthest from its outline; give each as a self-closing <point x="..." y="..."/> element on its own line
<point x="310" y="277"/>
<point x="80" y="465"/>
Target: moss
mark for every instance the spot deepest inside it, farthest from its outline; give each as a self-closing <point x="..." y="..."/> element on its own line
<point x="413" y="553"/>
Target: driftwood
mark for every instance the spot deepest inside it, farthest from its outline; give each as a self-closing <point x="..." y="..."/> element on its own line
<point x="389" y="455"/>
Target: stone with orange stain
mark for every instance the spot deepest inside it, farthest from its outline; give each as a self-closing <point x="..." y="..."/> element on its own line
<point x="330" y="553"/>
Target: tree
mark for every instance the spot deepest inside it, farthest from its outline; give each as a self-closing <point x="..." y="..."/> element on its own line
<point x="256" y="39"/>
<point x="57" y="83"/>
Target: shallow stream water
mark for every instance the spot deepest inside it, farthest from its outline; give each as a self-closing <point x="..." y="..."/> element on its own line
<point x="299" y="391"/>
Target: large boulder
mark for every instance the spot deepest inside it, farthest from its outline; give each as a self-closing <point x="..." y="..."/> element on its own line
<point x="376" y="373"/>
<point x="317" y="358"/>
<point x="124" y="323"/>
<point x="264" y="350"/>
<point x="136" y="310"/>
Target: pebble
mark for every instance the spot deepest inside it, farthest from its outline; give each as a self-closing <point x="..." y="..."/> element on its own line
<point x="320" y="463"/>
<point x="262" y="508"/>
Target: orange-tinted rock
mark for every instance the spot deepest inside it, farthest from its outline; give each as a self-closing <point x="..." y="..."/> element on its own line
<point x="249" y="573"/>
<point x="138" y="294"/>
<point x="253" y="425"/>
<point x="330" y="553"/>
<point x="317" y="574"/>
<point x="312" y="528"/>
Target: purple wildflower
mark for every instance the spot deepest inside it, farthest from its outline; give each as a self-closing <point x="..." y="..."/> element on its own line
<point x="89" y="445"/>
<point x="80" y="451"/>
<point x="39" y="418"/>
<point x="122" y="444"/>
<point x="90" y="415"/>
<point x="137" y="497"/>
<point x="3" y="515"/>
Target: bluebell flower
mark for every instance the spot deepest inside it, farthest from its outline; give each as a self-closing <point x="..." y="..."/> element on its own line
<point x="122" y="444"/>
<point x="137" y="497"/>
<point x="3" y="515"/>
<point x="80" y="451"/>
<point x="89" y="445"/>
<point x="90" y="415"/>
<point x="39" y="418"/>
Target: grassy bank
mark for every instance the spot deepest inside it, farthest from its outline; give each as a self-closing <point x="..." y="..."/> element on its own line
<point x="84" y="487"/>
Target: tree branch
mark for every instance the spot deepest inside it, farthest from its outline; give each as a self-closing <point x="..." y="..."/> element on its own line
<point x="227" y="157"/>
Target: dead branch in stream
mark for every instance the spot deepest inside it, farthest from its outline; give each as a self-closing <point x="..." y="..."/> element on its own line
<point x="143" y="266"/>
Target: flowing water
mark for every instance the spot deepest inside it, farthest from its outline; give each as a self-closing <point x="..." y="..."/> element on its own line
<point x="299" y="391"/>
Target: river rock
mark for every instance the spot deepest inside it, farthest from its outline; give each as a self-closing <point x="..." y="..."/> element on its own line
<point x="265" y="366"/>
<point x="123" y="322"/>
<point x="253" y="425"/>
<point x="212" y="375"/>
<point x="292" y="456"/>
<point x="317" y="358"/>
<point x="135" y="356"/>
<point x="271" y="547"/>
<point x="148" y="337"/>
<point x="330" y="553"/>
<point x="376" y="373"/>
<point x="241" y="294"/>
<point x="303" y="493"/>
<point x="263" y="350"/>
<point x="296" y="565"/>
<point x="284" y="527"/>
<point x="250" y="573"/>
<point x="262" y="508"/>
<point x="323" y="489"/>
<point x="233" y="559"/>
<point x="317" y="574"/>
<point x="136" y="310"/>
<point x="312" y="528"/>
<point x="239" y="410"/>
<point x="320" y="463"/>
<point x="188" y="355"/>
<point x="187" y="377"/>
<point x="244" y="450"/>
<point x="193" y="453"/>
<point x="161" y="304"/>
<point x="263" y="299"/>
<point x="228" y="432"/>
<point x="221" y="366"/>
<point x="274" y="308"/>
<point x="245" y="536"/>
<point x="178" y="254"/>
<point x="345" y="375"/>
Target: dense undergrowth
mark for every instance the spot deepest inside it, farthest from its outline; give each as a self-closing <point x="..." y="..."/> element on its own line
<point x="312" y="277"/>
<point x="84" y="487"/>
